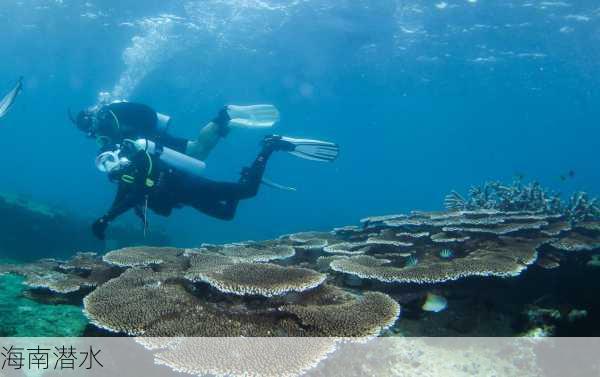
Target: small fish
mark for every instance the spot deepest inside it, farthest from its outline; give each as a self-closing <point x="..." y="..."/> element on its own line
<point x="446" y="254"/>
<point x="435" y="303"/>
<point x="9" y="99"/>
<point x="411" y="261"/>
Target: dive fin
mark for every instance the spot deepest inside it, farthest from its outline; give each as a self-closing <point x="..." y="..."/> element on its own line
<point x="255" y="116"/>
<point x="9" y="99"/>
<point x="277" y="186"/>
<point x="314" y="150"/>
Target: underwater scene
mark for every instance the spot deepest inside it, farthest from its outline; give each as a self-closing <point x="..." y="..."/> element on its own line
<point x="327" y="169"/>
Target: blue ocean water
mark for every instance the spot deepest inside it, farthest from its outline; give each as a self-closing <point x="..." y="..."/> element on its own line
<point x="423" y="97"/>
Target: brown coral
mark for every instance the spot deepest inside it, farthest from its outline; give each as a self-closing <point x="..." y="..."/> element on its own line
<point x="259" y="279"/>
<point x="58" y="282"/>
<point x="362" y="316"/>
<point x="84" y="270"/>
<point x="143" y="256"/>
<point x="575" y="242"/>
<point x="304" y="237"/>
<point x="351" y="248"/>
<point x="133" y="302"/>
<point x="508" y="258"/>
<point x="246" y="356"/>
<point x="256" y="252"/>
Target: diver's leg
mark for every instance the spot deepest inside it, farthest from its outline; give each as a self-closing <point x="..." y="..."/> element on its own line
<point x="220" y="199"/>
<point x="201" y="190"/>
<point x="220" y="210"/>
<point x="209" y="136"/>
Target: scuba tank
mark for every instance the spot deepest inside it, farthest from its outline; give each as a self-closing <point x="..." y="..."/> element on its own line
<point x="172" y="158"/>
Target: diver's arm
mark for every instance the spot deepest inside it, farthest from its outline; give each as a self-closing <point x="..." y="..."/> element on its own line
<point x="129" y="195"/>
<point x="126" y="199"/>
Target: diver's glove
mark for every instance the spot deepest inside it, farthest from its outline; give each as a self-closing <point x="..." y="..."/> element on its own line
<point x="99" y="228"/>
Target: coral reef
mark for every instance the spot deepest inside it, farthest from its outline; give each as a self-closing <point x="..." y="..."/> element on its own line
<point x="296" y="285"/>
<point x="519" y="197"/>
<point x="346" y="283"/>
<point x="366" y="315"/>
<point x="435" y="247"/>
<point x="84" y="270"/>
<point x="483" y="243"/>
<point x="151" y="299"/>
<point x="260" y="279"/>
<point x="136" y="301"/>
<point x="23" y="317"/>
<point x="256" y="252"/>
<point x="142" y="256"/>
<point x="281" y="357"/>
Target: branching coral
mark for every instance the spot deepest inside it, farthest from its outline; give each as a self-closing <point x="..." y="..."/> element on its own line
<point x="524" y="197"/>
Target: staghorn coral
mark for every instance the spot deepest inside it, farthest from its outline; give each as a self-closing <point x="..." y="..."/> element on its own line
<point x="581" y="208"/>
<point x="363" y="316"/>
<point x="524" y="197"/>
<point x="259" y="279"/>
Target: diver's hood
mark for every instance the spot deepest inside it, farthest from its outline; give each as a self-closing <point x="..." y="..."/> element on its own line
<point x="111" y="162"/>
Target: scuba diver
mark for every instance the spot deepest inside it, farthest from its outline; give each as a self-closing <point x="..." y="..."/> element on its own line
<point x="112" y="123"/>
<point x="162" y="179"/>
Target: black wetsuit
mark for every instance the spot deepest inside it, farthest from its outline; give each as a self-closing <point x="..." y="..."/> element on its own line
<point x="128" y="120"/>
<point x="149" y="180"/>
